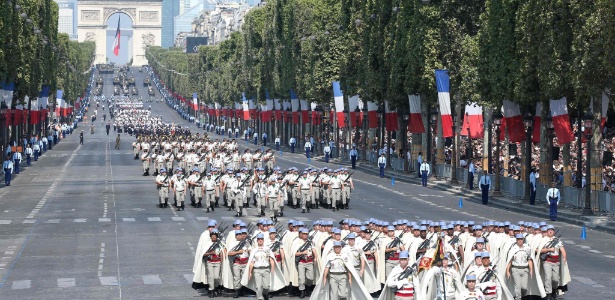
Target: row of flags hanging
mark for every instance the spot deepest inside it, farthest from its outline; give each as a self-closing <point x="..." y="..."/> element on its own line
<point x="38" y="107"/>
<point x="472" y="127"/>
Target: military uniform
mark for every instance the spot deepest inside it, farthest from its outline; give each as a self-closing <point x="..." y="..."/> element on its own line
<point x="162" y="182"/>
<point x="179" y="188"/>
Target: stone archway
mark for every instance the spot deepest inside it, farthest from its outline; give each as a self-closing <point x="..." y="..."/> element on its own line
<point x="146" y="25"/>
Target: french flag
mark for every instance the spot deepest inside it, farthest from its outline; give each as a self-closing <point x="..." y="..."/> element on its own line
<point x="195" y="102"/>
<point x="294" y="101"/>
<point x="415" y="121"/>
<point x="59" y="102"/>
<point x="473" y="122"/>
<point x="305" y="112"/>
<point x="246" y="107"/>
<point x="238" y="109"/>
<point x="116" y="42"/>
<point x="252" y="107"/>
<point x="561" y="121"/>
<point x="34" y="111"/>
<point x="444" y="99"/>
<point x="537" y="120"/>
<point x="18" y="113"/>
<point x="339" y="104"/>
<point x="390" y="117"/>
<point x="372" y="114"/>
<point x="217" y="109"/>
<point x="514" y="121"/>
<point x="286" y="106"/>
<point x="267" y="110"/>
<point x="353" y="103"/>
<point x="7" y="94"/>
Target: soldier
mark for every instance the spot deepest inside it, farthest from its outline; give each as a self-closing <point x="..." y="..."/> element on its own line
<point x="305" y="184"/>
<point x="553" y="255"/>
<point x="236" y="194"/>
<point x="274" y="198"/>
<point x="247" y="159"/>
<point x="520" y="266"/>
<point x="195" y="181"/>
<point x="348" y="186"/>
<point x="553" y="199"/>
<point x="178" y="186"/>
<point x="261" y="267"/>
<point x="162" y="182"/>
<point x="117" y="141"/>
<point x="472" y="293"/>
<point x="304" y="259"/>
<point x="212" y="258"/>
<point x="336" y="271"/>
<point x="485" y="184"/>
<point x="325" y="191"/>
<point x="260" y="192"/>
<point x="327" y="151"/>
<point x="238" y="253"/>
<point x="335" y="185"/>
<point x="402" y="283"/>
<point x="487" y="276"/>
<point x="269" y="159"/>
<point x="210" y="189"/>
<point x="424" y="171"/>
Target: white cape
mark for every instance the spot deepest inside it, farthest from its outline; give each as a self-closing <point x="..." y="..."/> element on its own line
<point x="356" y="291"/>
<point x="277" y="282"/>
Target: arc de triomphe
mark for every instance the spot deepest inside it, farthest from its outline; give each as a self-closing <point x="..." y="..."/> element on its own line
<point x="146" y="25"/>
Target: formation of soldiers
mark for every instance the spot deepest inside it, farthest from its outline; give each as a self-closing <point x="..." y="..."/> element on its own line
<point x="214" y="172"/>
<point x="397" y="260"/>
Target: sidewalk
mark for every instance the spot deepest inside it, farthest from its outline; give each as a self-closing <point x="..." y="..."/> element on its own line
<point x="564" y="214"/>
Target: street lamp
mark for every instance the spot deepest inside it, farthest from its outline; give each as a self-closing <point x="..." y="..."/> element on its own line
<point x="433" y="118"/>
<point x="588" y="120"/>
<point x="497" y="121"/>
<point x="454" y="152"/>
<point x="528" y="121"/>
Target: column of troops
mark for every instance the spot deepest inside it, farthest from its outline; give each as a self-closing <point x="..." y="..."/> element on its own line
<point x="372" y="258"/>
<point x="214" y="172"/>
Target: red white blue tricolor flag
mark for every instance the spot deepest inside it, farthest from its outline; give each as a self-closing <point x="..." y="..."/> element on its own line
<point x="116" y="43"/>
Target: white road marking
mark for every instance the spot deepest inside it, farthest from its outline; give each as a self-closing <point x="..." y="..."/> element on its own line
<point x="29" y="221"/>
<point x="587" y="281"/>
<point x="594" y="251"/>
<point x="53" y="221"/>
<point x="202" y="218"/>
<point x="66" y="282"/>
<point x="153" y="219"/>
<point x="104" y="219"/>
<point x="610" y="256"/>
<point x="22" y="284"/>
<point x="5" y="222"/>
<point x="151" y="279"/>
<point x="178" y="218"/>
<point x="80" y="220"/>
<point x="128" y="219"/>
<point x="110" y="280"/>
<point x="585" y="247"/>
<point x="188" y="277"/>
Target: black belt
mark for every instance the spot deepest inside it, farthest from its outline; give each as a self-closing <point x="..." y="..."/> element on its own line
<point x="208" y="190"/>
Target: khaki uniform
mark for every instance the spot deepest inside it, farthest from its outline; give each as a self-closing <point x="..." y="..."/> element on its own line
<point x="261" y="272"/>
<point x="306" y="190"/>
<point x="338" y="276"/>
<point x="163" y="190"/>
<point x="520" y="269"/>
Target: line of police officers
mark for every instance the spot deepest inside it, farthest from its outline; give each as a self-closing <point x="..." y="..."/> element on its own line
<point x="398" y="260"/>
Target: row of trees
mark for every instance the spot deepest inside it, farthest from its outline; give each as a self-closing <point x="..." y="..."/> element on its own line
<point x="522" y="50"/>
<point x="33" y="53"/>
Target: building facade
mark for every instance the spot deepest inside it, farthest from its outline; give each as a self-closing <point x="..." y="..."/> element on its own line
<point x="170" y="10"/>
<point x="67" y="20"/>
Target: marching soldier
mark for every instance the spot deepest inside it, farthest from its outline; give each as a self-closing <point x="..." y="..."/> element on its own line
<point x="178" y="186"/>
<point x="305" y="185"/>
<point x="520" y="266"/>
<point x="238" y="254"/>
<point x="212" y="259"/>
<point x="472" y="293"/>
<point x="210" y="189"/>
<point x="236" y="194"/>
<point x="260" y="192"/>
<point x="335" y="185"/>
<point x="145" y="159"/>
<point x="195" y="181"/>
<point x="553" y="255"/>
<point x="261" y="267"/>
<point x="274" y="198"/>
<point x="402" y="283"/>
<point x="337" y="273"/>
<point x="162" y="182"/>
<point x="348" y="186"/>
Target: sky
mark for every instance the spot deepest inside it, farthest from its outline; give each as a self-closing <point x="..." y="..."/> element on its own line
<point x="125" y="40"/>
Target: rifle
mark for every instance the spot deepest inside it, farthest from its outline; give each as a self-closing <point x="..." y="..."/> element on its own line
<point x="393" y="244"/>
<point x="278" y="242"/>
<point x="164" y="180"/>
<point x="348" y="177"/>
<point x="490" y="273"/>
<point x="212" y="248"/>
<point x="304" y="247"/>
<point x="369" y="245"/>
<point x="407" y="272"/>
<point x="315" y="178"/>
<point x="238" y="247"/>
<point x="454" y="240"/>
<point x="551" y="244"/>
<point x="425" y="243"/>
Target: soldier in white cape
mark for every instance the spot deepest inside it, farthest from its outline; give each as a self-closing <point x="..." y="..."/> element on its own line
<point x="534" y="285"/>
<point x="202" y="246"/>
<point x="294" y="274"/>
<point x="356" y="290"/>
<point x="564" y="272"/>
<point x="429" y="286"/>
<point x="410" y="284"/>
<point x="200" y="270"/>
<point x="277" y="283"/>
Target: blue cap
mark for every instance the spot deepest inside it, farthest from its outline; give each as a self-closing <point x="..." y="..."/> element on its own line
<point x="329" y="223"/>
<point x="506" y="223"/>
<point x="471" y="277"/>
<point x="211" y="223"/>
<point x="395" y="223"/>
<point x="337" y="244"/>
<point x="214" y="231"/>
<point x="416" y="227"/>
<point x="521" y="223"/>
<point x="485" y="254"/>
<point x="303" y="230"/>
<point x="243" y="230"/>
<point x="550" y="227"/>
<point x="480" y="240"/>
<point x="391" y="227"/>
<point x="517" y="228"/>
<point x="471" y="223"/>
<point x="477" y="254"/>
<point x="544" y="228"/>
<point x="403" y="254"/>
<point x="237" y="232"/>
<point x="299" y="223"/>
<point x="237" y="222"/>
<point x="291" y="221"/>
<point x="385" y="224"/>
<point x="542" y="223"/>
<point x="336" y="231"/>
<point x="260" y="236"/>
<point x="478" y="227"/>
<point x="261" y="221"/>
<point x="163" y="170"/>
<point x="444" y="227"/>
<point x="268" y="222"/>
<point x="423" y="228"/>
<point x="242" y="224"/>
<point x="362" y="228"/>
<point x="272" y="229"/>
<point x="519" y="236"/>
<point x="351" y="236"/>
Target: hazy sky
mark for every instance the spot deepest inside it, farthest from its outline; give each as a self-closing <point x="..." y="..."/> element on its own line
<point x="125" y="40"/>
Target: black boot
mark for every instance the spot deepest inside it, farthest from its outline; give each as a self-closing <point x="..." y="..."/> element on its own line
<point x="308" y="209"/>
<point x="303" y="211"/>
<point x="236" y="294"/>
<point x="161" y="205"/>
<point x="212" y="208"/>
<point x="210" y="294"/>
<point x="183" y="206"/>
<point x="302" y="294"/>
